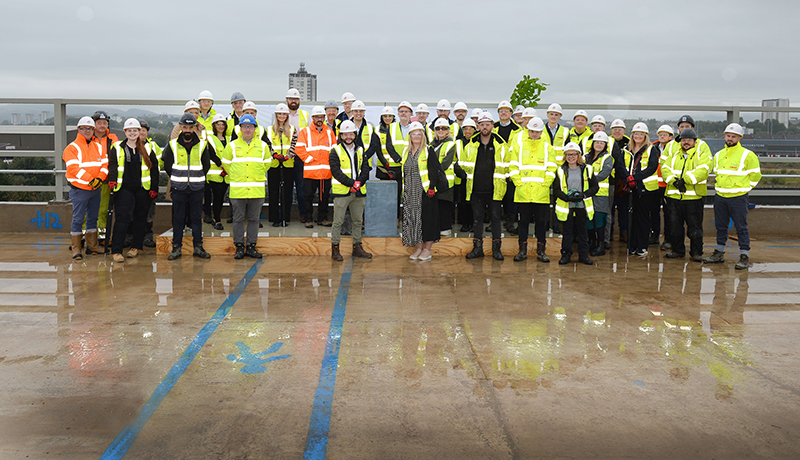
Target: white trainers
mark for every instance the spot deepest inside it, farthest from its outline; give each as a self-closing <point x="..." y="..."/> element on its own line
<point x="446" y="232"/>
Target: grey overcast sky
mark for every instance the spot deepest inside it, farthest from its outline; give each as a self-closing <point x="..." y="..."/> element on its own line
<point x="676" y="52"/>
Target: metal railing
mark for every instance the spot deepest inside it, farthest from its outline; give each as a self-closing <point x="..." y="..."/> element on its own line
<point x="61" y="141"/>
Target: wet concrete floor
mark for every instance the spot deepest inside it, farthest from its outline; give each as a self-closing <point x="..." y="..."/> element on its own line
<point x="447" y="359"/>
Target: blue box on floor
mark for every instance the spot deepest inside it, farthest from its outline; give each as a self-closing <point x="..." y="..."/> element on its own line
<point x="380" y="214"/>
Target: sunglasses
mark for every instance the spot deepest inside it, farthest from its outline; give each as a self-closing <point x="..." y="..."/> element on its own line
<point x="441" y="128"/>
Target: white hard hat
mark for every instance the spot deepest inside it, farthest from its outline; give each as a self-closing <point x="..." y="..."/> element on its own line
<point x="460" y="106"/>
<point x="600" y="136"/>
<point x="666" y="129"/>
<point x="572" y="146"/>
<point x="86" y="121"/>
<point x="735" y="128"/>
<point x="528" y="112"/>
<point x="358" y="105"/>
<point x="132" y="123"/>
<point x="441" y="122"/>
<point x="281" y="108"/>
<point x="191" y="105"/>
<point x="388" y="110"/>
<point x="519" y="109"/>
<point x="205" y="94"/>
<point x="485" y="116"/>
<point x="504" y="105"/>
<point x="582" y="113"/>
<point x="218" y="117"/>
<point x="405" y="104"/>
<point x="536" y="124"/>
<point x="555" y="108"/>
<point x="598" y="119"/>
<point x="415" y="126"/>
<point x="317" y="110"/>
<point x="617" y="123"/>
<point x="423" y="108"/>
<point x="348" y="97"/>
<point x="249" y="105"/>
<point x="476" y="112"/>
<point x="640" y="128"/>
<point x="293" y="93"/>
<point x="469" y="122"/>
<point x="347" y="126"/>
<point x="443" y="104"/>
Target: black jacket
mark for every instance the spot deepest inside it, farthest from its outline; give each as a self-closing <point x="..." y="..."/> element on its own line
<point x="336" y="171"/>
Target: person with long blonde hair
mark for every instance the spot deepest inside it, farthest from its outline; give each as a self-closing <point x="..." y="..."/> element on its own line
<point x="643" y="181"/>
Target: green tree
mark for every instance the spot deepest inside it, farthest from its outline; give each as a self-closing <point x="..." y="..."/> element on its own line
<point x="528" y="92"/>
<point x="27" y="179"/>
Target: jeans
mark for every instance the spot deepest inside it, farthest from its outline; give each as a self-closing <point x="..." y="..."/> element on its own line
<point x="84" y="203"/>
<point x="479" y="203"/>
<point x="735" y="208"/>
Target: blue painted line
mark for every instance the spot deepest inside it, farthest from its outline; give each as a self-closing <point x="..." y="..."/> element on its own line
<point x="317" y="440"/>
<point x="787" y="246"/>
<point x="119" y="447"/>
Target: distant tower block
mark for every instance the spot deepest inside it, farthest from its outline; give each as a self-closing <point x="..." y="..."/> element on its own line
<point x="305" y="82"/>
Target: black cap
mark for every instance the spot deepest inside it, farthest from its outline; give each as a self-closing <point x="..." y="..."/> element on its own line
<point x="144" y="125"/>
<point x="188" y="119"/>
<point x="687" y="119"/>
<point x="100" y="115"/>
<point x="688" y="133"/>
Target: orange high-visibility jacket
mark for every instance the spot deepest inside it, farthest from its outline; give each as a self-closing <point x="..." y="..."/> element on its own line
<point x="85" y="161"/>
<point x="313" y="147"/>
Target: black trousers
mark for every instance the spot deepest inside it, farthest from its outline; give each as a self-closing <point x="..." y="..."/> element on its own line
<point x="217" y="190"/>
<point x="445" y="214"/>
<point x="131" y="206"/>
<point x="321" y="188"/>
<point x="539" y="213"/>
<point x="643" y="206"/>
<point x="184" y="202"/>
<point x="279" y="183"/>
<point x="575" y="228"/>
<point x="479" y="203"/>
<point x="690" y="213"/>
<point x="463" y="207"/>
<point x="659" y="206"/>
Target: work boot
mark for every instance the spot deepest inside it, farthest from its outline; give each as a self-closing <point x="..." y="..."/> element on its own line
<point x="207" y="219"/>
<point x="623" y="236"/>
<point x="697" y="258"/>
<point x="675" y="255"/>
<point x="496" y="252"/>
<point x="326" y="223"/>
<point x="176" y="252"/>
<point x="540" y="254"/>
<point x="335" y="253"/>
<point x="564" y="260"/>
<point x="477" y="249"/>
<point x="598" y="251"/>
<point x="585" y="260"/>
<point x="92" y="247"/>
<point x="666" y="246"/>
<point x="653" y="240"/>
<point x="239" y="254"/>
<point x="201" y="253"/>
<point x="358" y="251"/>
<point x="743" y="263"/>
<point x="149" y="242"/>
<point x="717" y="257"/>
<point x="466" y="228"/>
<point x="523" y="252"/>
<point x="118" y="258"/>
<point x="76" y="247"/>
<point x="252" y="252"/>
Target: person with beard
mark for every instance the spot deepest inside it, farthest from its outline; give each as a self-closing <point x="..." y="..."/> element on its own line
<point x="106" y="139"/>
<point x="299" y="119"/>
<point x="312" y="147"/>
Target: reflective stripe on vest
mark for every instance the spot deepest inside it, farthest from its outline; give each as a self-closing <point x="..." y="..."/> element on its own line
<point x="450" y="172"/>
<point x="187" y="167"/>
<point x="562" y="207"/>
<point x="337" y="188"/>
<point x="597" y="166"/>
<point x="398" y="142"/>
<point x="248" y="173"/>
<point x="423" y="166"/>
<point x="281" y="145"/>
<point x="121" y="167"/>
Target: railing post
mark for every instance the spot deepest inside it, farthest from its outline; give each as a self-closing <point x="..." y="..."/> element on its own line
<point x="733" y="115"/>
<point x="60" y="143"/>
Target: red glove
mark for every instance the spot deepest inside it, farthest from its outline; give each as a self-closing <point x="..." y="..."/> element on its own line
<point x="431" y="193"/>
<point x="390" y="174"/>
<point x="223" y="173"/>
<point x="276" y="156"/>
<point x="284" y="158"/>
<point x="113" y="185"/>
<point x="631" y="182"/>
<point x="153" y="194"/>
<point x="353" y="190"/>
<point x="357" y="185"/>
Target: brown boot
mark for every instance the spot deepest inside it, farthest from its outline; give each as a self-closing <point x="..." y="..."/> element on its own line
<point x="91" y="244"/>
<point x="76" y="247"/>
<point x="335" y="254"/>
<point x="359" y="251"/>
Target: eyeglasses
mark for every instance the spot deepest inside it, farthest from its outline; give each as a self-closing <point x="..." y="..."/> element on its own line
<point x="441" y="128"/>
<point x="85" y="128"/>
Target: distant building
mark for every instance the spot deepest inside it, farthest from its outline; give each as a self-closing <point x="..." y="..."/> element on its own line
<point x="28" y="118"/>
<point x="782" y="117"/>
<point x="15" y="119"/>
<point x="305" y="82"/>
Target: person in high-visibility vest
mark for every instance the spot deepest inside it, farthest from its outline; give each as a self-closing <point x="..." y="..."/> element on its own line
<point x="533" y="170"/>
<point x="507" y="129"/>
<point x="574" y="187"/>
<point x="686" y="174"/>
<point x="207" y="113"/>
<point x="599" y="158"/>
<point x="133" y="176"/>
<point x="422" y="118"/>
<point x="299" y="119"/>
<point x="106" y="139"/>
<point x="738" y="171"/>
<point x="348" y="100"/>
<point x="665" y="135"/>
<point x="463" y="206"/>
<point x="247" y="160"/>
<point x="312" y="147"/>
<point x="217" y="179"/>
<point x="446" y="149"/>
<point x="187" y="160"/>
<point x="237" y="105"/>
<point x="280" y="174"/>
<point x="558" y="136"/>
<point x="350" y="172"/>
<point x="87" y="168"/>
<point x="331" y="111"/>
<point x="150" y="146"/>
<point x="579" y="131"/>
<point x="396" y="143"/>
<point x="643" y="182"/>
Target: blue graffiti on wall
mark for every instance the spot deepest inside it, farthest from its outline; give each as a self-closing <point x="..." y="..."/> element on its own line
<point x="254" y="363"/>
<point x="49" y="220"/>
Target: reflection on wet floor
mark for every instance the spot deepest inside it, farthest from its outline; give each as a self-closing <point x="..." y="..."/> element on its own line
<point x="489" y="343"/>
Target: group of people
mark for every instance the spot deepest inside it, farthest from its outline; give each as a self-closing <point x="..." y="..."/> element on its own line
<point x="515" y="170"/>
